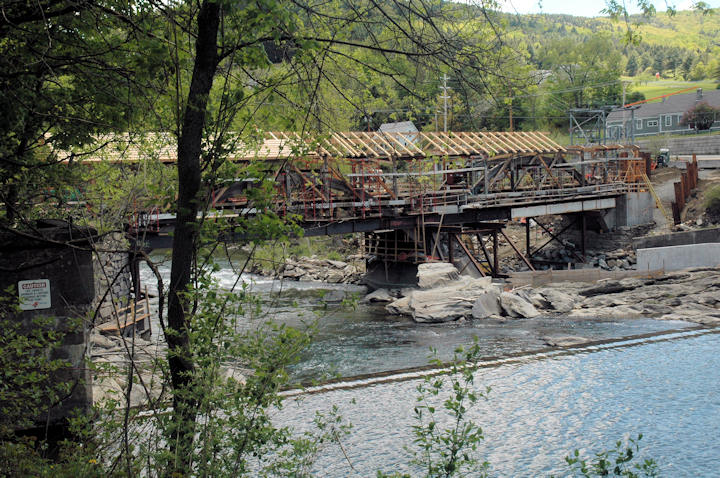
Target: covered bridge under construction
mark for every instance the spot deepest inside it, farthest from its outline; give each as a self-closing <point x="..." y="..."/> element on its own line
<point x="433" y="196"/>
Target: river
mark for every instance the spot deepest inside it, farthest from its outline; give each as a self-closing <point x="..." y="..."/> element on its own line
<point x="542" y="404"/>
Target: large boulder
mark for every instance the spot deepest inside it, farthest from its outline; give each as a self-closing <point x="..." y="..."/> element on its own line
<point x="564" y="340"/>
<point x="443" y="304"/>
<point x="400" y="307"/>
<point x="487" y="305"/>
<point x="440" y="309"/>
<point x="559" y="301"/>
<point x="436" y="274"/>
<point x="517" y="307"/>
<point x="380" y="295"/>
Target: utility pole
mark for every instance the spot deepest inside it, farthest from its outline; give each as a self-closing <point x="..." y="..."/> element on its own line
<point x="624" y="122"/>
<point x="511" y="109"/>
<point x="445" y="97"/>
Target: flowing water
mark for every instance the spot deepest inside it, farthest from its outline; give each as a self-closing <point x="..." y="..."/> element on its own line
<point x="541" y="407"/>
<point x="542" y="404"/>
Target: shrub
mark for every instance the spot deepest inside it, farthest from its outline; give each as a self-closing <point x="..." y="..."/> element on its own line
<point x="700" y="117"/>
<point x="712" y="202"/>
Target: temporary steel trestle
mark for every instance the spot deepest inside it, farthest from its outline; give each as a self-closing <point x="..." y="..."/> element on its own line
<point x="364" y="175"/>
<point x="398" y="187"/>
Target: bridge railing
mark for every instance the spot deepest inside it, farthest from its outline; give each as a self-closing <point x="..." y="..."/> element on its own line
<point x="322" y="189"/>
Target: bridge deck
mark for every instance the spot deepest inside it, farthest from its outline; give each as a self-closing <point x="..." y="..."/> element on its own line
<point x="359" y="182"/>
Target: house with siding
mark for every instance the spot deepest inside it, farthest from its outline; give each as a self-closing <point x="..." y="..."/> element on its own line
<point x="659" y="118"/>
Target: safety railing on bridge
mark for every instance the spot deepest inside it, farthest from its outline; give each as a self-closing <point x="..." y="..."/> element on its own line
<point x="330" y="189"/>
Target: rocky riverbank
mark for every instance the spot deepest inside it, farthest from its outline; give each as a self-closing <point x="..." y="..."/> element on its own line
<point x="314" y="269"/>
<point x="111" y="357"/>
<point x="692" y="295"/>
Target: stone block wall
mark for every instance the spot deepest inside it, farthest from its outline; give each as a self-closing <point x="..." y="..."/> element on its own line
<point x="62" y="255"/>
<point x="112" y="275"/>
<point x="85" y="274"/>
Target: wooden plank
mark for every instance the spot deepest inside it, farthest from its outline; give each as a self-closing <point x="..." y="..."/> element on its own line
<point x="483" y="140"/>
<point x="516" y="141"/>
<point x="445" y="151"/>
<point x="449" y="140"/>
<point x="507" y="147"/>
<point x="379" y="138"/>
<point x="400" y="143"/>
<point x="371" y="138"/>
<point x="475" y="146"/>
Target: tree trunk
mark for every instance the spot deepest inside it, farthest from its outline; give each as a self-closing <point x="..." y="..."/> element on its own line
<point x="186" y="235"/>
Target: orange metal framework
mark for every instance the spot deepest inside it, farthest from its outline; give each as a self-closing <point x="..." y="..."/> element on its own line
<point x="342" y="175"/>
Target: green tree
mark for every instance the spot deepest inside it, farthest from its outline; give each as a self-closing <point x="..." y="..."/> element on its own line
<point x="700" y="117"/>
<point x="227" y="40"/>
<point x="68" y="72"/>
<point x="584" y="76"/>
<point x="631" y="67"/>
<point x="687" y="66"/>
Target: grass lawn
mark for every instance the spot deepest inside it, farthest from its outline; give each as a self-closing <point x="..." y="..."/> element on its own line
<point x="655" y="88"/>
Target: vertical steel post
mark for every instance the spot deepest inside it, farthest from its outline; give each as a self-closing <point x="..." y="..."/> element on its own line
<point x="583" y="226"/>
<point x="496" y="257"/>
<point x="527" y="237"/>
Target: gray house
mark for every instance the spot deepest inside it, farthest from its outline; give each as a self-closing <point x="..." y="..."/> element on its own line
<point x="401" y="127"/>
<point x="659" y="118"/>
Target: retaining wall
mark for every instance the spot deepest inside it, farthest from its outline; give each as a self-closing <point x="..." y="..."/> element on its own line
<point x="673" y="258"/>
<point x="112" y="276"/>
<point x="691" y="144"/>
<point x="67" y="271"/>
<point x="634" y="209"/>
<point x="699" y="236"/>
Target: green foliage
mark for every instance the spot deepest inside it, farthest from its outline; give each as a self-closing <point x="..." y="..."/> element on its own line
<point x="583" y="76"/>
<point x="712" y="201"/>
<point x="621" y="461"/>
<point x="29" y="388"/>
<point x="68" y="75"/>
<point x="27" y="385"/>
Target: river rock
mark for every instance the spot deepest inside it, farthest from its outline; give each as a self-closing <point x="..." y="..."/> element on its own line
<point x="103" y="341"/>
<point x="441" y="310"/>
<point x="334" y="296"/>
<point x="400" y="307"/>
<point x="516" y="306"/>
<point x="558" y="301"/>
<point x="486" y="305"/>
<point x="539" y="301"/>
<point x="337" y="264"/>
<point x="435" y="274"/>
<point x="232" y="373"/>
<point x="380" y="295"/>
<point x="447" y="303"/>
<point x="335" y="277"/>
<point x="606" y="287"/>
<point x="106" y="388"/>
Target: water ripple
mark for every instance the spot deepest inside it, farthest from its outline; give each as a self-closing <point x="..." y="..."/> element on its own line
<point x="540" y="410"/>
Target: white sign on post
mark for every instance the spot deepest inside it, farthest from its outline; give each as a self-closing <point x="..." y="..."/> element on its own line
<point x="34" y="294"/>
